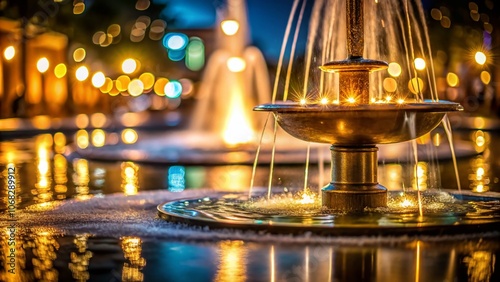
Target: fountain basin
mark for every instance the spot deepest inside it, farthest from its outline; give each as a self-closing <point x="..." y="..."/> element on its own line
<point x="445" y="213"/>
<point x="359" y="124"/>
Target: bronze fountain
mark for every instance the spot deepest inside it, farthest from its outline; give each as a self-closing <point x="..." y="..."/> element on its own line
<point x="353" y="203"/>
<point x="355" y="125"/>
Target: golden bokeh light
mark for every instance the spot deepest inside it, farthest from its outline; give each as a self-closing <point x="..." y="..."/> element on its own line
<point x="98" y="120"/>
<point x="115" y="90"/>
<point x="78" y="8"/>
<point x="238" y="127"/>
<point x="98" y="138"/>
<point x="79" y="55"/>
<point x="82" y="121"/>
<point x="485" y="77"/>
<point x="148" y="79"/>
<point x="135" y="87"/>
<point x="122" y="83"/>
<point x="82" y="73"/>
<point x="129" y="66"/>
<point x="394" y="69"/>
<point x="114" y="30"/>
<point x="60" y="70"/>
<point x="480" y="58"/>
<point x="159" y="87"/>
<point x="421" y="177"/>
<point x="129" y="136"/>
<point x="82" y="139"/>
<point x="236" y="64"/>
<point x="416" y="85"/>
<point x="452" y="79"/>
<point x="390" y="84"/>
<point x="98" y="79"/>
<point x="9" y="53"/>
<point x="107" y="86"/>
<point x="420" y="64"/>
<point x="436" y="14"/>
<point x="42" y="65"/>
<point x="230" y="27"/>
<point x="446" y="22"/>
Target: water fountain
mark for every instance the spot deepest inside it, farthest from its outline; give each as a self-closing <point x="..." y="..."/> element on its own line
<point x="234" y="77"/>
<point x="353" y="202"/>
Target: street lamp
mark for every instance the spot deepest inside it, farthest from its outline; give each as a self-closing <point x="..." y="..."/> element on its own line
<point x="82" y="73"/>
<point x="42" y="65"/>
<point x="129" y="66"/>
<point x="480" y="58"/>
<point x="9" y="53"/>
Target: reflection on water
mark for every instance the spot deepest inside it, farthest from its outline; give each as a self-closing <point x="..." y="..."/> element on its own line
<point x="130" y="180"/>
<point x="420" y="179"/>
<point x="44" y="248"/>
<point x="232" y="261"/>
<point x="82" y="139"/>
<point x="80" y="259"/>
<point x="391" y="175"/>
<point x="60" y="176"/>
<point x="81" y="179"/>
<point x="132" y="251"/>
<point x="51" y="176"/>
<point x="480" y="266"/>
<point x="45" y="177"/>
<point x="479" y="180"/>
<point x="481" y="140"/>
<point x="176" y="178"/>
<point x="231" y="178"/>
<point x="43" y="256"/>
<point x="42" y="192"/>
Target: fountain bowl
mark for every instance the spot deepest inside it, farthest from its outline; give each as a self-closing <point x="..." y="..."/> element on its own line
<point x="351" y="125"/>
<point x="445" y="212"/>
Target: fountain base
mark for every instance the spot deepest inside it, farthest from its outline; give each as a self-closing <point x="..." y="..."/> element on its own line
<point x="354" y="185"/>
<point x="354" y="200"/>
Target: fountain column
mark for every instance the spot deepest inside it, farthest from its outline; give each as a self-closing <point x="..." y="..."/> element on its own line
<point x="354" y="184"/>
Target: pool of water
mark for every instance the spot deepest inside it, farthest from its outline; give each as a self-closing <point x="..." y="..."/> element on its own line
<point x="81" y="219"/>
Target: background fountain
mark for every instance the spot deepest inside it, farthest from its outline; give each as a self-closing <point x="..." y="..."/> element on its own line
<point x="235" y="76"/>
<point x="222" y="127"/>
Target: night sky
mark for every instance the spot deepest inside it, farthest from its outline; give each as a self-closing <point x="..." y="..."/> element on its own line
<point x="267" y="19"/>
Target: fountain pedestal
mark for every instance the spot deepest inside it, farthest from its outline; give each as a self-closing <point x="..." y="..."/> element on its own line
<point x="354" y="184"/>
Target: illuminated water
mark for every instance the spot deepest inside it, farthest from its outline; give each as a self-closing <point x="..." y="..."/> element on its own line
<point x="235" y="77"/>
<point x="406" y="213"/>
<point x="100" y="221"/>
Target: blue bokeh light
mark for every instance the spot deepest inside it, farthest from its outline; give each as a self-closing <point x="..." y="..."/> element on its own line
<point x="173" y="89"/>
<point x="175" y="41"/>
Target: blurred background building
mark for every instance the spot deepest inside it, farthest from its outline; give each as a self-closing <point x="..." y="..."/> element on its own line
<point x="62" y="58"/>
